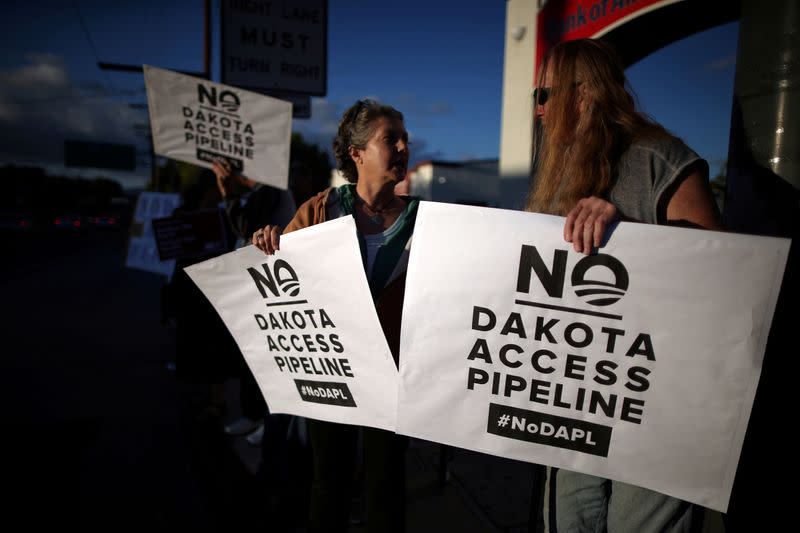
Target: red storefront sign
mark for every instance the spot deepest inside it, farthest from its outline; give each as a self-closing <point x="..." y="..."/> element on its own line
<point x="565" y="20"/>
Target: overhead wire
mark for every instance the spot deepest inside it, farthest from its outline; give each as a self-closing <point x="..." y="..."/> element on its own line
<point x="110" y="87"/>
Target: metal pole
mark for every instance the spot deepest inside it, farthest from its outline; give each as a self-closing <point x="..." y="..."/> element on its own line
<point x="763" y="165"/>
<point x="207" y="39"/>
<point x="154" y="162"/>
<point x="762" y="197"/>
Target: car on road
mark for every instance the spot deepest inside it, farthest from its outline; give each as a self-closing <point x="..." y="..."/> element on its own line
<point x="69" y="222"/>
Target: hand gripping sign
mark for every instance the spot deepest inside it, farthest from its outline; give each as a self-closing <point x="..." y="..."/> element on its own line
<point x="307" y="327"/>
<point x="197" y="121"/>
<point x="638" y="363"/>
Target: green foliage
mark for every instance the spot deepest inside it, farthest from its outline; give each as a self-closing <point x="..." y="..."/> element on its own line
<point x="178" y="176"/>
<point x="719" y="185"/>
<point x="314" y="158"/>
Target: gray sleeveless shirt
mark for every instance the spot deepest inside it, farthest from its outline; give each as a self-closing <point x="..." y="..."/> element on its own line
<point x="644" y="173"/>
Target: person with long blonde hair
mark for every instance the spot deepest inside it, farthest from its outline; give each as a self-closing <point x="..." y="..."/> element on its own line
<point x="598" y="160"/>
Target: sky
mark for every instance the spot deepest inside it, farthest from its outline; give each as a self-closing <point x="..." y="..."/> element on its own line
<point x="440" y="62"/>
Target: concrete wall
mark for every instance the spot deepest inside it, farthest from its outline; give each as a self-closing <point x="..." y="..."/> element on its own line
<point x="517" y="113"/>
<point x="469" y="182"/>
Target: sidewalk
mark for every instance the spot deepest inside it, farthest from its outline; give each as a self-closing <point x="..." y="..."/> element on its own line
<point x="474" y="493"/>
<point x="471" y="493"/>
<point x="480" y="494"/>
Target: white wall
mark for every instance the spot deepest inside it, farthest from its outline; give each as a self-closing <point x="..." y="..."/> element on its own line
<point x="517" y="114"/>
<point x="474" y="182"/>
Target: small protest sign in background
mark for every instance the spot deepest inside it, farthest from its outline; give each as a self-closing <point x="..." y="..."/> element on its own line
<point x="142" y="250"/>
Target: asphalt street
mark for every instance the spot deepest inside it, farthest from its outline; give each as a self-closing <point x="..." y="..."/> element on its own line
<point x="101" y="435"/>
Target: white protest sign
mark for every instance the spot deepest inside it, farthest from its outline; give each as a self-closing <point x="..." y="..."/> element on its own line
<point x="306" y="325"/>
<point x="142" y="248"/>
<point x="638" y="364"/>
<point x="197" y="121"/>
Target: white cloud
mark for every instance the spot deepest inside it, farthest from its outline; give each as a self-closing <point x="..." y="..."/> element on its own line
<point x="44" y="72"/>
<point x="41" y="107"/>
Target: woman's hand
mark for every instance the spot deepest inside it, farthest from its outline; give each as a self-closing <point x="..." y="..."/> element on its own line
<point x="223" y="171"/>
<point x="267" y="239"/>
<point x="587" y="222"/>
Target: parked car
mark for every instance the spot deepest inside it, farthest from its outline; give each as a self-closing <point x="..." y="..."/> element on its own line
<point x="16" y="221"/>
<point x="69" y="222"/>
<point x="104" y="221"/>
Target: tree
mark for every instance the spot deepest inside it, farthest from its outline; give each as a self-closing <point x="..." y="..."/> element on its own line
<point x="316" y="159"/>
<point x="719" y="185"/>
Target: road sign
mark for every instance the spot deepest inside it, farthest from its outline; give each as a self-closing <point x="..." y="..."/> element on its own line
<point x="275" y="46"/>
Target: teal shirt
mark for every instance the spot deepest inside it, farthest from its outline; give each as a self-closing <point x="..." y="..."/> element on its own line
<point x="396" y="240"/>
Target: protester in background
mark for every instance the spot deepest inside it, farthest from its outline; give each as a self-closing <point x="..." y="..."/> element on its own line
<point x="254" y="208"/>
<point x="205" y="350"/>
<point x="371" y="150"/>
<point x="301" y="183"/>
<point x="598" y="161"/>
<point x="260" y="205"/>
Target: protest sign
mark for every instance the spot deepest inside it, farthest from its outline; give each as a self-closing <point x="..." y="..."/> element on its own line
<point x="190" y="234"/>
<point x="197" y="121"/>
<point x="638" y="363"/>
<point x="142" y="250"/>
<point x="307" y="327"/>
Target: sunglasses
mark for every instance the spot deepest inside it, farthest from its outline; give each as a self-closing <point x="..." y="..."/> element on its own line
<point x="541" y="94"/>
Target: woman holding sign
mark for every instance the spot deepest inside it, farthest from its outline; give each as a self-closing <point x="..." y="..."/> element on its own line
<point x="371" y="150"/>
<point x="597" y="161"/>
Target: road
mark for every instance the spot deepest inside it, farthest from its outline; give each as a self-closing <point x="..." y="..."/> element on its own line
<point x="100" y="437"/>
<point x="97" y="436"/>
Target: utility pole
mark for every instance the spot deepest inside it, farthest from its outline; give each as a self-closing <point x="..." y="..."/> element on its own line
<point x="206" y="74"/>
<point x="207" y="38"/>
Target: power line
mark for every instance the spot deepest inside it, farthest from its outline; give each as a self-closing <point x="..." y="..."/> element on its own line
<point x="91" y="43"/>
<point x="72" y="96"/>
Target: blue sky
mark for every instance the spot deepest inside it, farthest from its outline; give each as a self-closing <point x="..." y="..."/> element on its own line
<point x="440" y="62"/>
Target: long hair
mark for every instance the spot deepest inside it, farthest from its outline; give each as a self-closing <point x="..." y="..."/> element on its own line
<point x="355" y="129"/>
<point x="576" y="153"/>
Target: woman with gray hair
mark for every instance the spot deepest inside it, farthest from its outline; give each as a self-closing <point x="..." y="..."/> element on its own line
<point x="371" y="151"/>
